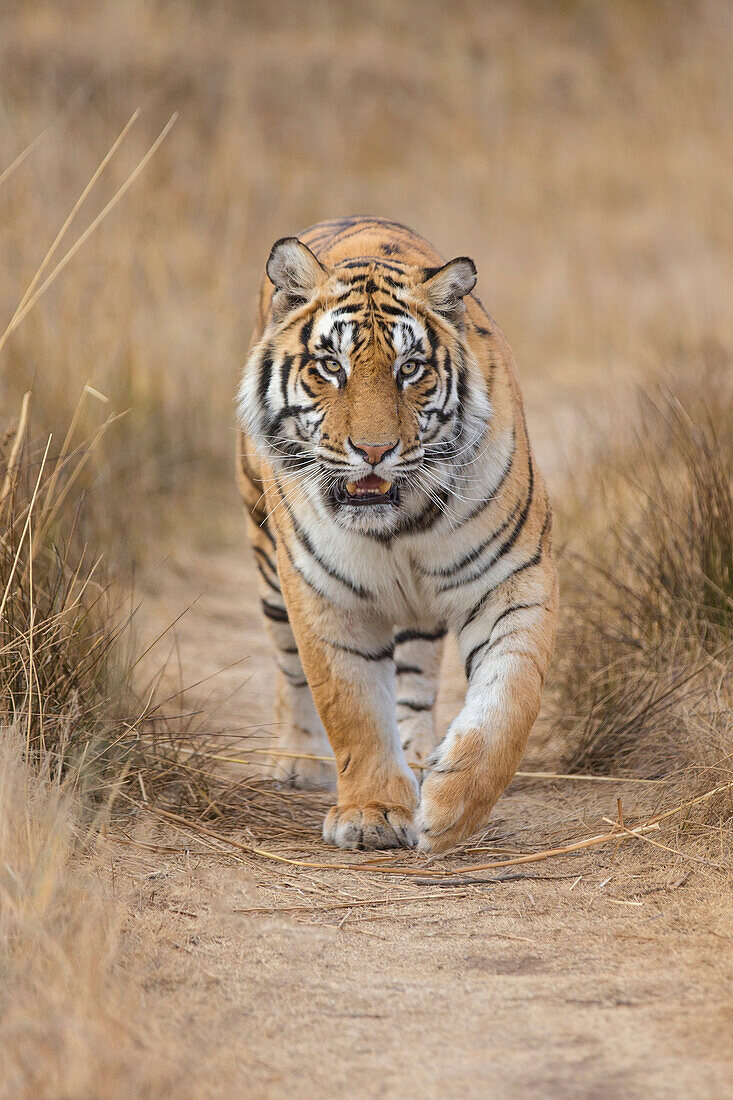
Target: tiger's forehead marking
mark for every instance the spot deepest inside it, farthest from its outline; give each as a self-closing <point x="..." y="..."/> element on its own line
<point x="333" y="330"/>
<point x="339" y="329"/>
<point x="407" y="335"/>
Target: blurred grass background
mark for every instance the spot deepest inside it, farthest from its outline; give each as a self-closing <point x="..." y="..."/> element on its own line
<point x="579" y="151"/>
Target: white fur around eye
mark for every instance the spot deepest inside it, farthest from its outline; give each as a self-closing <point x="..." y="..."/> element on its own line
<point x="409" y="371"/>
<point x="332" y="370"/>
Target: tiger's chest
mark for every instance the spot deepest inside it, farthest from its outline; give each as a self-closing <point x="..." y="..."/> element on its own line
<point x="405" y="580"/>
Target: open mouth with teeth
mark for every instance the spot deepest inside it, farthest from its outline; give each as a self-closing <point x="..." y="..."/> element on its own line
<point x="368" y="490"/>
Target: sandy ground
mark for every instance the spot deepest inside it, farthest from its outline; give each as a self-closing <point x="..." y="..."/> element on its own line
<point x="579" y="976"/>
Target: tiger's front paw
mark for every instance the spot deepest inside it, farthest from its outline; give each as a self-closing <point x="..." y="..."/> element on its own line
<point x="457" y="797"/>
<point x="376" y="825"/>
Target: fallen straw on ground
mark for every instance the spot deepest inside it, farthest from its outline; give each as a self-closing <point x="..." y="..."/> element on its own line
<point x="618" y="833"/>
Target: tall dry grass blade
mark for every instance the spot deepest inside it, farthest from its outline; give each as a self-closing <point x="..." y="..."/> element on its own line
<point x="21" y="157"/>
<point x="25" y="529"/>
<point x="56" y="271"/>
<point x="59" y="464"/>
<point x="52" y="507"/>
<point x="70" y="217"/>
<point x="16" y="448"/>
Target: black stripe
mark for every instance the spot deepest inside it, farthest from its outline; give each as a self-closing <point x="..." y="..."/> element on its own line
<point x="349" y="300"/>
<point x="534" y="560"/>
<point x="271" y="611"/>
<point x="302" y="380"/>
<point x="502" y="478"/>
<point x="404" y="670"/>
<point x="451" y="376"/>
<point x="537" y="556"/>
<point x="265" y="369"/>
<point x="509" y="542"/>
<point x="506" y="545"/>
<point x="414" y="706"/>
<point x="276" y="419"/>
<point x="329" y="570"/>
<point x="293" y="679"/>
<point x="265" y="528"/>
<point x="285" y="376"/>
<point x="419" y="635"/>
<point x="451" y="570"/>
<point x="262" y="554"/>
<point x="512" y="609"/>
<point x="468" y="665"/>
<point x="306" y="580"/>
<point x="365" y="282"/>
<point x="438" y="414"/>
<point x="385" y="654"/>
<point x="394" y="311"/>
<point x="461" y="384"/>
<point x="433" y="511"/>
<point x="372" y="261"/>
<point x="268" y="580"/>
<point x="264" y="557"/>
<point x="305" y="333"/>
<point x="487" y="644"/>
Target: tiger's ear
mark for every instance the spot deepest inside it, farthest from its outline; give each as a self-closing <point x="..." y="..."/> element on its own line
<point x="446" y="287"/>
<point x="294" y="269"/>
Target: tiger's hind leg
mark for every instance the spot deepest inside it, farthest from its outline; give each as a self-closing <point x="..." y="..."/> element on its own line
<point x="299" y="734"/>
<point x="418" y="654"/>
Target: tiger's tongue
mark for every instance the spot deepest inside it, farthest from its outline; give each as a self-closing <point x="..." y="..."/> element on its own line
<point x="368" y="485"/>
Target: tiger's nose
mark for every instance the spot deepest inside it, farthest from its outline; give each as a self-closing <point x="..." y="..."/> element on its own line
<point x="373" y="452"/>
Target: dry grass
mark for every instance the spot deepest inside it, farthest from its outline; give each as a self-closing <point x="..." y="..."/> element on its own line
<point x="60" y="635"/>
<point x="71" y="1023"/>
<point x="67" y="654"/>
<point x="74" y="733"/>
<point x="643" y="671"/>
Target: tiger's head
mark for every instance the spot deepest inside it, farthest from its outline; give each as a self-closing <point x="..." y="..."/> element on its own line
<point x="361" y="389"/>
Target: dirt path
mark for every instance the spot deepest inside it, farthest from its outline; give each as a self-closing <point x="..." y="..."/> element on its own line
<point x="574" y="977"/>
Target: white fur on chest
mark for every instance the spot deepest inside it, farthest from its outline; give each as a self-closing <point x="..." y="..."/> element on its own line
<point x="404" y="580"/>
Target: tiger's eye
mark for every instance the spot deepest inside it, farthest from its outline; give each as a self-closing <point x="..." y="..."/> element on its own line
<point x="408" y="369"/>
<point x="332" y="366"/>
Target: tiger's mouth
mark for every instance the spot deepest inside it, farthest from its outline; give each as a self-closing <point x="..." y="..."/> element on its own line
<point x="367" y="490"/>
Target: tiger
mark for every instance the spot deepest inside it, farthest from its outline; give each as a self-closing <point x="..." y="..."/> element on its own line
<point x="392" y="496"/>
